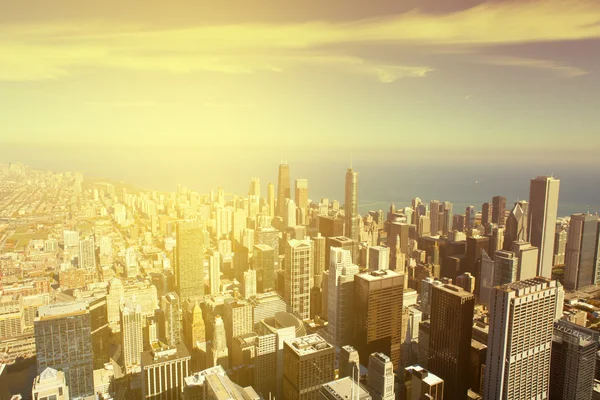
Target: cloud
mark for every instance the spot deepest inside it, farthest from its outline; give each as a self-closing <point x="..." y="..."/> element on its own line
<point x="52" y="51"/>
<point x="562" y="70"/>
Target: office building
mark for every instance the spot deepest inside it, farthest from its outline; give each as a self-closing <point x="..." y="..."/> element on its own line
<point x="450" y="338"/>
<point x="298" y="268"/>
<point x="343" y="388"/>
<point x="266" y="305"/>
<point x="466" y="281"/>
<point x="194" y="329"/>
<point x="351" y="205"/>
<point x="486" y="213"/>
<point x="380" y="379"/>
<point x="50" y="384"/>
<point x="302" y="200"/>
<point x="340" y="293"/>
<point x="498" y="207"/>
<point x="189" y="260"/>
<point x="214" y="273"/>
<point x="379" y="258"/>
<point x="378" y="310"/>
<point x="527" y="256"/>
<point x="506" y="268"/>
<point x="132" y="337"/>
<point x="319" y="266"/>
<point x="237" y="318"/>
<point x="263" y="261"/>
<point x="214" y="384"/>
<point x="581" y="255"/>
<point x="421" y="384"/>
<point x="349" y="363"/>
<point x="271" y="199"/>
<point x="63" y="342"/>
<point x="219" y="349"/>
<point x="283" y="188"/>
<point x="543" y="207"/>
<point x="87" y="254"/>
<point x="249" y="288"/>
<point x="516" y="225"/>
<point x="163" y="372"/>
<point x="573" y="361"/>
<point x="308" y="364"/>
<point x="171" y="312"/>
<point x="522" y="316"/>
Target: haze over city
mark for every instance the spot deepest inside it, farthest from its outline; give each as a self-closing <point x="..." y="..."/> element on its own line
<point x="382" y="200"/>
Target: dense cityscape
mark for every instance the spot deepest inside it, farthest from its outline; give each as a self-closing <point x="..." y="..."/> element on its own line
<point x="109" y="291"/>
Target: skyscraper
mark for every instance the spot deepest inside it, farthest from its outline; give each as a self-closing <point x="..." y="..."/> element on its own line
<point x="171" y="312"/>
<point x="163" y="372"/>
<point x="63" y="342"/>
<point x="219" y="350"/>
<point x="486" y="213"/>
<point x="349" y="363"/>
<point x="543" y="207"/>
<point x="379" y="258"/>
<point x="381" y="377"/>
<point x="283" y="188"/>
<point x="351" y="205"/>
<point x="516" y="225"/>
<point x="340" y="296"/>
<point x="450" y="338"/>
<point x="189" y="260"/>
<point x="264" y="265"/>
<point x="422" y="384"/>
<point x="582" y="244"/>
<point x="302" y="200"/>
<point x="132" y="338"/>
<point x="298" y="268"/>
<point x="308" y="364"/>
<point x="271" y="199"/>
<point x="214" y="273"/>
<point x="194" y="329"/>
<point x="87" y="254"/>
<point x="498" y="207"/>
<point x="249" y="288"/>
<point x="434" y="216"/>
<point x="470" y="216"/>
<point x="573" y="361"/>
<point x="522" y="316"/>
<point x="378" y="297"/>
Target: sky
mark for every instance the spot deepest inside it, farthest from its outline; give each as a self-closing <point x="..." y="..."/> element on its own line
<point x="445" y="80"/>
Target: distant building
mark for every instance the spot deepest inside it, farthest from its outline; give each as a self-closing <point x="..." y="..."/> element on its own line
<point x="132" y="338"/>
<point x="298" y="259"/>
<point x="582" y="252"/>
<point x="543" y="207"/>
<point x="189" y="260"/>
<point x="421" y="384"/>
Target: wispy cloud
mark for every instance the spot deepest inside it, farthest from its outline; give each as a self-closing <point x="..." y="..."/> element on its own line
<point x="563" y="70"/>
<point x="52" y="51"/>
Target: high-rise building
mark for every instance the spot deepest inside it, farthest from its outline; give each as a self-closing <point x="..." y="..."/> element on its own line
<point x="379" y="258"/>
<point x="343" y="388"/>
<point x="378" y="297"/>
<point x="522" y="316"/>
<point x="163" y="372"/>
<point x="319" y="246"/>
<point x="302" y="200"/>
<point x="573" y="361"/>
<point x="189" y="260"/>
<point x="214" y="273"/>
<point x="264" y="265"/>
<point x="450" y="338"/>
<point x="50" y="384"/>
<point x="470" y="217"/>
<point x="351" y="205"/>
<point x="560" y="245"/>
<point x="466" y="281"/>
<point x="194" y="329"/>
<point x="289" y="216"/>
<point x="424" y="228"/>
<point x="237" y="319"/>
<point x="582" y="246"/>
<point x="516" y="225"/>
<point x="340" y="296"/>
<point x="254" y="189"/>
<point x="63" y="342"/>
<point x="486" y="213"/>
<point x="349" y="363"/>
<point x="506" y="268"/>
<point x="434" y="216"/>
<point x="87" y="254"/>
<point x="380" y="379"/>
<point x="498" y="207"/>
<point x="543" y="207"/>
<point x="308" y="364"/>
<point x="219" y="349"/>
<point x="132" y="337"/>
<point x="421" y="384"/>
<point x="171" y="312"/>
<point x="271" y="199"/>
<point x="298" y="268"/>
<point x="249" y="288"/>
<point x="527" y="256"/>
<point x="283" y="188"/>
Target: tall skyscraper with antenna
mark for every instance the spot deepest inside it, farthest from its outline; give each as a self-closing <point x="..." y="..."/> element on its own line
<point x="283" y="188"/>
<point x="351" y="204"/>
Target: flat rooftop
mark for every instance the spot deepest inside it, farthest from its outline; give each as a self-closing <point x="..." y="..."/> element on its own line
<point x="379" y="275"/>
<point x="308" y="344"/>
<point x="62" y="310"/>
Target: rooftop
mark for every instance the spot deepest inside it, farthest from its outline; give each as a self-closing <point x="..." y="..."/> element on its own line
<point x="344" y="389"/>
<point x="62" y="310"/>
<point x="379" y="275"/>
<point x="308" y="344"/>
